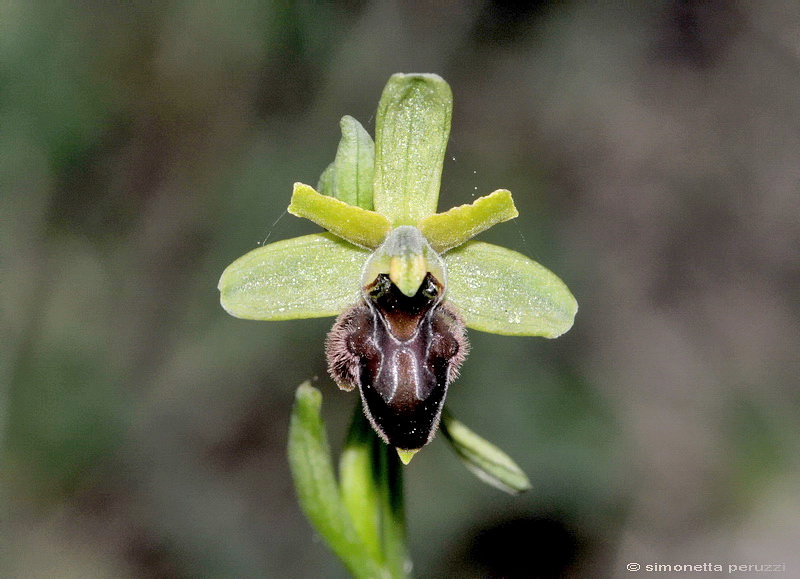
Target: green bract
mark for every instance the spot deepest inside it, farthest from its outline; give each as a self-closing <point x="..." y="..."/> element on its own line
<point x="494" y="289"/>
<point x="489" y="463"/>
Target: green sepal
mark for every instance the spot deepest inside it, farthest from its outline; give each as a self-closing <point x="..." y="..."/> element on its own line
<point x="412" y="126"/>
<point x="359" y="226"/>
<point x="457" y="225"/>
<point x="355" y="165"/>
<point x="349" y="177"/>
<point x="485" y="460"/>
<point x="312" y="276"/>
<point x="315" y="484"/>
<point x="325" y="185"/>
<point x="501" y="291"/>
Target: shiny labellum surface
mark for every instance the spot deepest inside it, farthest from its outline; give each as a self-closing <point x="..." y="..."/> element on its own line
<point x="402" y="352"/>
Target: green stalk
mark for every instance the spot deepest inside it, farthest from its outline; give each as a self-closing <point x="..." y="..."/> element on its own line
<point x="358" y="480"/>
<point x="392" y="506"/>
<point x="372" y="492"/>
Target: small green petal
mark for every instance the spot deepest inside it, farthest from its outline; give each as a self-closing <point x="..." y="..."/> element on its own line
<point x="356" y="225"/>
<point x="452" y="228"/>
<point x="355" y="167"/>
<point x="411" y="131"/>
<point x="501" y="291"/>
<point x="489" y="463"/>
<point x="312" y="276"/>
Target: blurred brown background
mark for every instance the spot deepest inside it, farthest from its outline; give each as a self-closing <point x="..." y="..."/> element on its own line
<point x="652" y="149"/>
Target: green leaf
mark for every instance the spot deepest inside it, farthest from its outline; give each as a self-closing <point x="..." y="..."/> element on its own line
<point x="501" y="291"/>
<point x="363" y="228"/>
<point x="315" y="484"/>
<point x="312" y="276"/>
<point x="355" y="165"/>
<point x="457" y="225"/>
<point x="411" y="132"/>
<point x="485" y="460"/>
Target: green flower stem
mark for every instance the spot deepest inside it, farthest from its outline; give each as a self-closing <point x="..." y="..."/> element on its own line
<point x="371" y="481"/>
<point x="359" y="226"/>
<point x="315" y="484"/>
<point x="393" y="520"/>
<point x="411" y="132"/>
<point x="359" y="476"/>
<point x="458" y="225"/>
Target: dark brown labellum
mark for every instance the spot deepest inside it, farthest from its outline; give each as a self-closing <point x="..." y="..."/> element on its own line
<point x="402" y="352"/>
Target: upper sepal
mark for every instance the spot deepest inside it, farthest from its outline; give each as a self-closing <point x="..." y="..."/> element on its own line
<point x="412" y="126"/>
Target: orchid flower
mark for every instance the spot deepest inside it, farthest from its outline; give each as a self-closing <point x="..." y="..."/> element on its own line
<point x="403" y="280"/>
